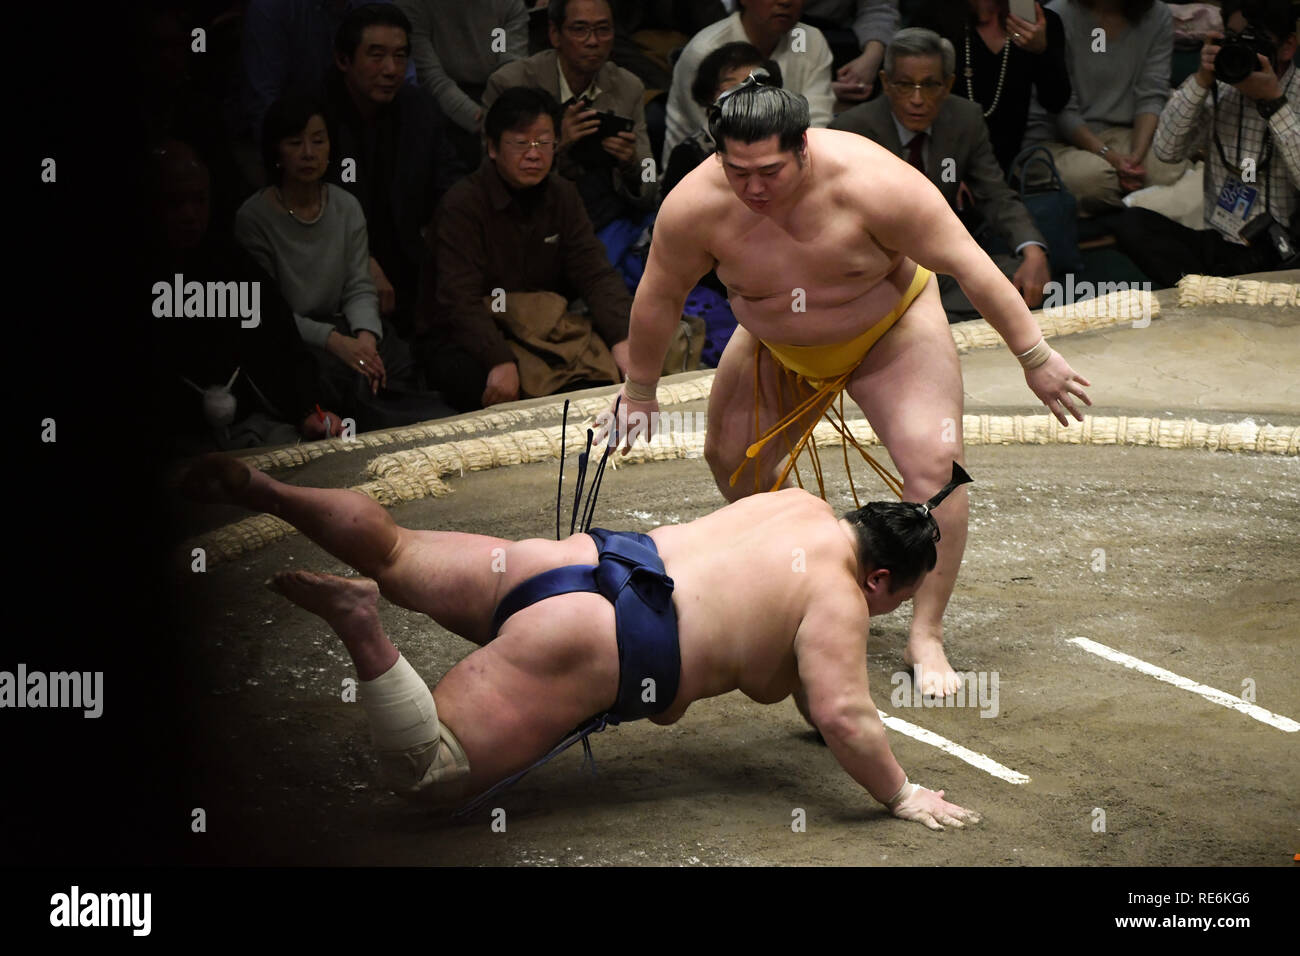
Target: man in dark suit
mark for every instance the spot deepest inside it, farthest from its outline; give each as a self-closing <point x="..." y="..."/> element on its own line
<point x="945" y="137"/>
<point x="393" y="154"/>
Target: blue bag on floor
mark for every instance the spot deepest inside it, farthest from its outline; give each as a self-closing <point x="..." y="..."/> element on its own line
<point x="1053" y="208"/>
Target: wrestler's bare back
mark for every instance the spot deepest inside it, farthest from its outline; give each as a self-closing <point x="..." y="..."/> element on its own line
<point x="744" y="578"/>
<point x="816" y="257"/>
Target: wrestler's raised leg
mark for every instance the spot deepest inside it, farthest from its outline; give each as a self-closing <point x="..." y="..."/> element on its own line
<point x="731" y="418"/>
<point x="909" y="387"/>
<point x="554" y="665"/>
<point x="444" y="574"/>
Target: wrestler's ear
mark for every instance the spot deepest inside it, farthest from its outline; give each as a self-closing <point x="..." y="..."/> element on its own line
<point x="878" y="581"/>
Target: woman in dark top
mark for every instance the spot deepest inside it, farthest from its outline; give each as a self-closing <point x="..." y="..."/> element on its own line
<point x="998" y="70"/>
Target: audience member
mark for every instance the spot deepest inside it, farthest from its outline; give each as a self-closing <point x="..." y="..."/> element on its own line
<point x="613" y="170"/>
<point x="272" y="396"/>
<point x="1118" y="53"/>
<point x="857" y="32"/>
<point x="1002" y="63"/>
<point x="288" y="48"/>
<point x="311" y="237"/>
<point x="401" y="162"/>
<point x="770" y="25"/>
<point x="515" y="246"/>
<point x="1249" y="126"/>
<point x="945" y="137"/>
<point x="457" y="45"/>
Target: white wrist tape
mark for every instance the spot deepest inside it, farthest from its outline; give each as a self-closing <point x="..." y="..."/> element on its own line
<point x="636" y="392"/>
<point x="906" y="790"/>
<point x="1036" y="356"/>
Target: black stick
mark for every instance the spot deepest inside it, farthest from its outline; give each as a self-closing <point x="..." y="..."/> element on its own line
<point x="582" y="478"/>
<point x="589" y="511"/>
<point x="559" y="490"/>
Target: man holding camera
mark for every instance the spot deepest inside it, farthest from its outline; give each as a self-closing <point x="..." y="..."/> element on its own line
<point x="1243" y="108"/>
<point x="604" y="147"/>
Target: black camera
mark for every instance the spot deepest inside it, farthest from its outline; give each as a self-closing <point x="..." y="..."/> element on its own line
<point x="1238" y="55"/>
<point x="1265" y="230"/>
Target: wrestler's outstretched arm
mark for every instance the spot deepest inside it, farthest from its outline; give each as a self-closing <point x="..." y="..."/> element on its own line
<point x="926" y="230"/>
<point x="676" y="263"/>
<point x="831" y="653"/>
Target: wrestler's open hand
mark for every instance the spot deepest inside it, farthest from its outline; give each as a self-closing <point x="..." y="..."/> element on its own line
<point x="929" y="807"/>
<point x="631" y="421"/>
<point x="1057" y="385"/>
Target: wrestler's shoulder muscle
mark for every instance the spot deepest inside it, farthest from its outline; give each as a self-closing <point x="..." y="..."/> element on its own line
<point x="863" y="173"/>
<point x="695" y="202"/>
<point x="682" y="246"/>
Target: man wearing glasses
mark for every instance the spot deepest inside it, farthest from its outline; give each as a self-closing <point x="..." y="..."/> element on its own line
<point x="612" y="168"/>
<point x="946" y="139"/>
<point x="514" y="247"/>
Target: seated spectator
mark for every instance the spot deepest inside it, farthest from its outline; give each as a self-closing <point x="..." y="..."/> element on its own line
<point x="769" y="25"/>
<point x="858" y="32"/>
<point x="722" y="69"/>
<point x="395" y="136"/>
<point x="1258" y="118"/>
<point x="311" y="237"/>
<point x="1119" y="80"/>
<point x="515" y="246"/>
<point x="288" y="48"/>
<point x="614" y="173"/>
<point x="945" y="137"/>
<point x="1002" y="63"/>
<point x="272" y="398"/>
<point x="457" y="46"/>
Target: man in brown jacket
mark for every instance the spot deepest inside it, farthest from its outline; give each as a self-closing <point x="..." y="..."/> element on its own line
<point x="613" y="170"/>
<point x="514" y="247"/>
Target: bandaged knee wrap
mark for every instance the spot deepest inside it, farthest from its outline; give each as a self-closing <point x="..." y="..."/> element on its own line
<point x="416" y="751"/>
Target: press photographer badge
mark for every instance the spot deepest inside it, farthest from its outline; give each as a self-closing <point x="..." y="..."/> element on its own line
<point x="1234" y="205"/>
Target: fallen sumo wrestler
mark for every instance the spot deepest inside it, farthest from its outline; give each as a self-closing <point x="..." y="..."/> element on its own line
<point x="605" y="627"/>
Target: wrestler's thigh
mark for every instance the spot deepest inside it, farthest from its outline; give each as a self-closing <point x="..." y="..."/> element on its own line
<point x="731" y="399"/>
<point x="449" y="575"/>
<point x="910" y="388"/>
<point x="554" y="665"/>
<point x="732" y="427"/>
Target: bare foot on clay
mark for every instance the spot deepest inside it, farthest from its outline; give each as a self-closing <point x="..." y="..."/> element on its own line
<point x="932" y="671"/>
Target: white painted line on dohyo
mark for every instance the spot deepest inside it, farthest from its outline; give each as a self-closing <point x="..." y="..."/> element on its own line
<point x="1169" y="677"/>
<point x="987" y="764"/>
